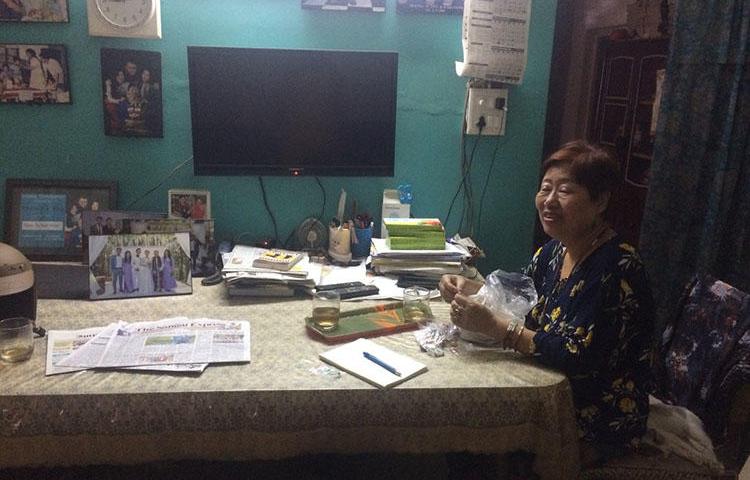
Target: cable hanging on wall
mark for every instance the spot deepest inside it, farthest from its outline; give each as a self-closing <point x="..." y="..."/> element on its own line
<point x="161" y="182"/>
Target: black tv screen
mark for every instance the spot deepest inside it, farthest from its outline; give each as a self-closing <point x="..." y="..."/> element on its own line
<point x="259" y="111"/>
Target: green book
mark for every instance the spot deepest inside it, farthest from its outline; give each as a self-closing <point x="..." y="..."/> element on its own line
<point x="407" y="226"/>
<point x="416" y="243"/>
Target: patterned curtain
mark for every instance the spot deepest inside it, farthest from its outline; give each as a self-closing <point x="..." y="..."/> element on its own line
<point x="697" y="215"/>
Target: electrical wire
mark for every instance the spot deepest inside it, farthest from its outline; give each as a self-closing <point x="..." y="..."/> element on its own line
<point x="463" y="153"/>
<point x="323" y="191"/>
<point x="268" y="209"/>
<point x="169" y="175"/>
<point x="484" y="189"/>
<point x="468" y="210"/>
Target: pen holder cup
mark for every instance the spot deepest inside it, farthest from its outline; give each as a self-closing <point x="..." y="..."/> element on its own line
<point x="340" y="244"/>
<point x="363" y="238"/>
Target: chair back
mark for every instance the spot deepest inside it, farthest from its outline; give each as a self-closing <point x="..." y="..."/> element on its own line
<point x="700" y="346"/>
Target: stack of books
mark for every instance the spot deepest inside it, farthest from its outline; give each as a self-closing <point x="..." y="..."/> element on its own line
<point x="258" y="272"/>
<point x="415" y="233"/>
<point x="422" y="267"/>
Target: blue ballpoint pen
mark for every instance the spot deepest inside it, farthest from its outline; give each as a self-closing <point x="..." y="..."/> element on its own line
<point x="375" y="359"/>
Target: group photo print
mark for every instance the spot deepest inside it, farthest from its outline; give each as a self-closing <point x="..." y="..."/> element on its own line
<point x="141" y="265"/>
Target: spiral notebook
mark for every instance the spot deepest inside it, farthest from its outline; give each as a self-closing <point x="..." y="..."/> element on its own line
<point x="378" y="371"/>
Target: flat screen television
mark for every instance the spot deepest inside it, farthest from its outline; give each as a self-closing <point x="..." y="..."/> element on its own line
<point x="261" y="111"/>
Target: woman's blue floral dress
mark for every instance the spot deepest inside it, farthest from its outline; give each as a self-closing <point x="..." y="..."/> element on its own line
<point x="595" y="326"/>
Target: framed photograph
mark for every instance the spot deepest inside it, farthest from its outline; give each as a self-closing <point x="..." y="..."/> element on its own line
<point x="203" y="247"/>
<point x="43" y="218"/>
<point x="131" y="93"/>
<point x="139" y="265"/>
<point x="345" y="5"/>
<point x="34" y="11"/>
<point x="33" y="73"/>
<point x="116" y="222"/>
<point x="190" y="204"/>
<point x="451" y="7"/>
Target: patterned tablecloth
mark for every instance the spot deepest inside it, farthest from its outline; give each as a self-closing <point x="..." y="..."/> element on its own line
<point x="280" y="404"/>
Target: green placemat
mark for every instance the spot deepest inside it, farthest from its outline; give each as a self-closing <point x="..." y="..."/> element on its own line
<point x="365" y="322"/>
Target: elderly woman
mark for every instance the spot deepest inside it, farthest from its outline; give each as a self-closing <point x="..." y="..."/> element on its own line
<point x="593" y="318"/>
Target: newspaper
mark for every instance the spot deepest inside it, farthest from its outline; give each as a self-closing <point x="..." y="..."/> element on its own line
<point x="61" y="343"/>
<point x="495" y="37"/>
<point x="178" y="340"/>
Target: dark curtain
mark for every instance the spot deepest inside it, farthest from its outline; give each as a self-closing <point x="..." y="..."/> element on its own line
<point x="697" y="215"/>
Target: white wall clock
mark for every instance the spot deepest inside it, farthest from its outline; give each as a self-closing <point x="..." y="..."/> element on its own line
<point x="124" y="18"/>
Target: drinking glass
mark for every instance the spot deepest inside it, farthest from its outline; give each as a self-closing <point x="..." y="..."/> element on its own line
<point x="16" y="339"/>
<point x="416" y="304"/>
<point x="326" y="309"/>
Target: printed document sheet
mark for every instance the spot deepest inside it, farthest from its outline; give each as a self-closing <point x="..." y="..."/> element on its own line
<point x="495" y="37"/>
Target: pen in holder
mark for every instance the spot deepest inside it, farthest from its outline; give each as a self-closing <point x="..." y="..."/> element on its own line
<point x="339" y="244"/>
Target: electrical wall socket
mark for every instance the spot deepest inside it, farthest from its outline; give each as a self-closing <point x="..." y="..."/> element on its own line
<point x="490" y="103"/>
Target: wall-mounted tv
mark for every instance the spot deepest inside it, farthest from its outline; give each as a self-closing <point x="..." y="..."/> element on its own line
<point x="261" y="111"/>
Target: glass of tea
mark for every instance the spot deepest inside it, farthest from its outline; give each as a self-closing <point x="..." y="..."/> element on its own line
<point x="417" y="304"/>
<point x="326" y="309"/>
<point x="16" y="339"/>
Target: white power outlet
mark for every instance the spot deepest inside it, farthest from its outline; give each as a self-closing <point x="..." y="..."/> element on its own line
<point x="490" y="103"/>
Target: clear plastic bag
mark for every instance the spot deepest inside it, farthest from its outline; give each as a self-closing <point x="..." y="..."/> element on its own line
<point x="510" y="294"/>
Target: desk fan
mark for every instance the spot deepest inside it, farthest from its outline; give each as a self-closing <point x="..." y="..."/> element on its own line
<point x="312" y="235"/>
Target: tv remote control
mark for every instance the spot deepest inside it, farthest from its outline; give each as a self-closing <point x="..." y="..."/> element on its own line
<point x="356" y="291"/>
<point x="336" y="286"/>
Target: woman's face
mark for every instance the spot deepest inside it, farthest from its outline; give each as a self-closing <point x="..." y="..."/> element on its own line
<point x="120" y="77"/>
<point x="146" y="76"/>
<point x="566" y="210"/>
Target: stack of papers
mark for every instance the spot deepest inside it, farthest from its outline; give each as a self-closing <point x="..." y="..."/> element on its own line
<point x="175" y="344"/>
<point x="242" y="278"/>
<point x="426" y="264"/>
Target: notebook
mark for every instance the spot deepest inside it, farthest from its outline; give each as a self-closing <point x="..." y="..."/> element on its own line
<point x="350" y="358"/>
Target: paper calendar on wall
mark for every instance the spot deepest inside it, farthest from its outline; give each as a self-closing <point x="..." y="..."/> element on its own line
<point x="495" y="37"/>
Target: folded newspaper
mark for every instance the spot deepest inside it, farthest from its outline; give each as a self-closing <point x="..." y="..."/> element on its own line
<point x="172" y="344"/>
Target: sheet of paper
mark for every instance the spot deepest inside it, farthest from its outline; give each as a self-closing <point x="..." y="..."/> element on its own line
<point x="331" y="274"/>
<point x="495" y="37"/>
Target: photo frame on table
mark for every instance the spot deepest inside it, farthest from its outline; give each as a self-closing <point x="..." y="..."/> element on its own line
<point x="445" y="7"/>
<point x="203" y="246"/>
<point x="43" y="218"/>
<point x="140" y="265"/>
<point x="116" y="222"/>
<point x="190" y="204"/>
<point x="50" y="11"/>
<point x="377" y="6"/>
<point x="34" y="74"/>
<point x="131" y="93"/>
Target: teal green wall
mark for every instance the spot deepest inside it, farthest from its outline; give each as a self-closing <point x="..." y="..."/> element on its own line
<point x="67" y="141"/>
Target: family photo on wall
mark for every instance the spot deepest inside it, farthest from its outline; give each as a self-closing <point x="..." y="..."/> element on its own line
<point x="33" y="10"/>
<point x="125" y="266"/>
<point x="131" y="89"/>
<point x="31" y="73"/>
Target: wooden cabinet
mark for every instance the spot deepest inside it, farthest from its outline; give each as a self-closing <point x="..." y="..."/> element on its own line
<point x="624" y="116"/>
